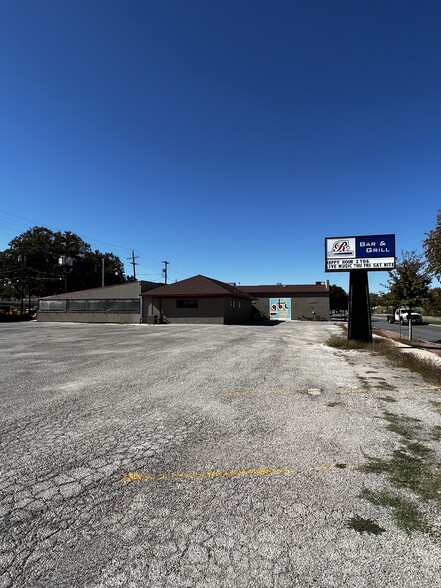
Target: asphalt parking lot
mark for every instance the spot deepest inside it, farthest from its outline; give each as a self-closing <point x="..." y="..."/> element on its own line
<point x="202" y="456"/>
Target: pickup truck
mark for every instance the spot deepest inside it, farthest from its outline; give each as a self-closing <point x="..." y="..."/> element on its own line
<point x="401" y="315"/>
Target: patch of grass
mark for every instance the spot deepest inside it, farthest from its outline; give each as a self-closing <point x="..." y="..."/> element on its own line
<point x="333" y="404"/>
<point x="437" y="405"/>
<point x="413" y="465"/>
<point x="427" y="368"/>
<point x="385" y="386"/>
<point x="364" y="382"/>
<point x="388" y="399"/>
<point x="343" y="343"/>
<point x="407" y="470"/>
<point x="405" y="513"/>
<point x="402" y="425"/>
<point x="417" y="448"/>
<point x="362" y="525"/>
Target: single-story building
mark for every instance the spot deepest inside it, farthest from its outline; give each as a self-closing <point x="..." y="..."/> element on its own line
<point x="195" y="300"/>
<point x="121" y="303"/>
<point x="198" y="300"/>
<point x="291" y="302"/>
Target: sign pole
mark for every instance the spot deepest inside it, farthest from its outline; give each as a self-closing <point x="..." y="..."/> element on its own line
<point x="359" y="320"/>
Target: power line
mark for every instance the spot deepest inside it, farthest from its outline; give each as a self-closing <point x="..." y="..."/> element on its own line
<point x="16" y="223"/>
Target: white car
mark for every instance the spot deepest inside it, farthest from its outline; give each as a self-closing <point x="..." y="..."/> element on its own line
<point x="401" y="315"/>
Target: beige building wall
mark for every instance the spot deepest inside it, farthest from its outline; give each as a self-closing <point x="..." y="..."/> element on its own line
<point x="209" y="311"/>
<point x="302" y="307"/>
<point x="89" y="317"/>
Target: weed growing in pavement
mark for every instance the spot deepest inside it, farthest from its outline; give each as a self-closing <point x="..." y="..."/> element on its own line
<point x="402" y="425"/>
<point x="413" y="466"/>
<point x="404" y="512"/>
<point x="427" y="368"/>
<point x="344" y="343"/>
<point x="362" y="525"/>
<point x="388" y="399"/>
<point x="334" y="404"/>
<point x="385" y="386"/>
<point x="364" y="382"/>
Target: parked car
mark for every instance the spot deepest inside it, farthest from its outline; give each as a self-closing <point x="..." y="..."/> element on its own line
<point x="401" y="315"/>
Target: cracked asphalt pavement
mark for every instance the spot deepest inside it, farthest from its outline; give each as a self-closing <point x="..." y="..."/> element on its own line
<point x="200" y="456"/>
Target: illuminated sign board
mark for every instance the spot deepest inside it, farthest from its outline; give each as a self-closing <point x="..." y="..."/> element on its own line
<point x="373" y="253"/>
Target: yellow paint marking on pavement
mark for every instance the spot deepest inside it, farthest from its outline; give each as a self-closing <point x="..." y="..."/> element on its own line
<point x="138" y="477"/>
<point x="335" y="466"/>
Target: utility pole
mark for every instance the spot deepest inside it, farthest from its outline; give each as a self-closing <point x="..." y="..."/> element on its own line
<point x="65" y="262"/>
<point x="102" y="272"/>
<point x="164" y="271"/>
<point x="134" y="264"/>
<point x="22" y="260"/>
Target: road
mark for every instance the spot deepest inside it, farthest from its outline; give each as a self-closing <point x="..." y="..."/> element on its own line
<point x="431" y="333"/>
<point x="203" y="457"/>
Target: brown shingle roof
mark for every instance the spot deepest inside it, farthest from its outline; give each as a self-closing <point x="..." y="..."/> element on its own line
<point x="285" y="290"/>
<point x="198" y="286"/>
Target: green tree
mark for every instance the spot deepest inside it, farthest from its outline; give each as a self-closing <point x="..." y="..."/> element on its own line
<point x="433" y="305"/>
<point x="33" y="259"/>
<point x="338" y="299"/>
<point x="409" y="282"/>
<point x="374" y="299"/>
<point x="432" y="247"/>
<point x="387" y="300"/>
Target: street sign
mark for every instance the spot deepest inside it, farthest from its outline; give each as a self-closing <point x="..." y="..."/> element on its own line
<point x="372" y="253"/>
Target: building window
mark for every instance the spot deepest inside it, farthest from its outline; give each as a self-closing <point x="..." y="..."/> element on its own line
<point x="190" y="303"/>
<point x="52" y="305"/>
<point x="87" y="305"/>
<point x="118" y="305"/>
<point x="235" y="304"/>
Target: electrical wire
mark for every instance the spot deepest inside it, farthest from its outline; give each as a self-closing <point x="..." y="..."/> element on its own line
<point x="14" y="225"/>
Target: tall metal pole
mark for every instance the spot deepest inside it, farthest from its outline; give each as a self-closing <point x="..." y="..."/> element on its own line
<point x="102" y="272"/>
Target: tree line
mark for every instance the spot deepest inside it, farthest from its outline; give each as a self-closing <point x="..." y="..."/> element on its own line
<point x="41" y="262"/>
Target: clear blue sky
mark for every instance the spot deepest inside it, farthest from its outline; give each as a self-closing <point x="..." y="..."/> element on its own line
<point x="228" y="137"/>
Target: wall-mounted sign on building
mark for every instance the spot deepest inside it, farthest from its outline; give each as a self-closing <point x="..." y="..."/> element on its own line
<point x="280" y="309"/>
<point x="374" y="252"/>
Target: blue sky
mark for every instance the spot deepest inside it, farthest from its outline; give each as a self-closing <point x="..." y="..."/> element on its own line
<point x="228" y="137"/>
